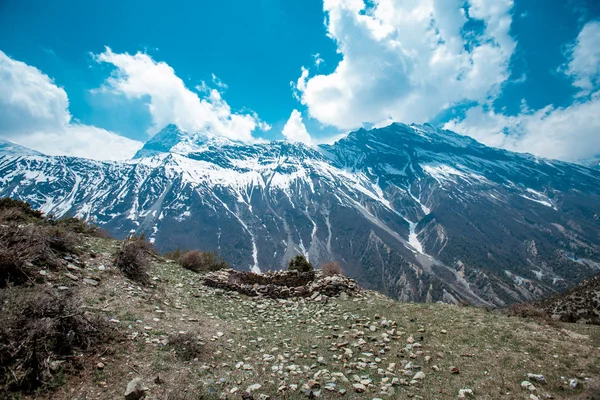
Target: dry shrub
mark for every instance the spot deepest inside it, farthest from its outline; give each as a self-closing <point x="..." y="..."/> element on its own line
<point x="529" y="310"/>
<point x="174" y="255"/>
<point x="332" y="268"/>
<point x="41" y="334"/>
<point x="79" y="226"/>
<point x="17" y="210"/>
<point x="300" y="263"/>
<point x="199" y="261"/>
<point x="186" y="345"/>
<point x="23" y="247"/>
<point x="133" y="259"/>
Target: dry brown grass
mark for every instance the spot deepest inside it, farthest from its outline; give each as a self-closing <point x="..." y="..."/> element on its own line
<point x="332" y="268"/>
<point x="25" y="248"/>
<point x="41" y="335"/>
<point x="187" y="346"/>
<point x="529" y="310"/>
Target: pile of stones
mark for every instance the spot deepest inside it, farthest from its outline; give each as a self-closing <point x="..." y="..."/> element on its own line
<point x="282" y="284"/>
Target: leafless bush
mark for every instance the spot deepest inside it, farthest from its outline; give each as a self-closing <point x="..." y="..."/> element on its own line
<point x="17" y="210"/>
<point x="133" y="259"/>
<point x="332" y="268"/>
<point x="199" y="261"/>
<point x="79" y="226"/>
<point x="39" y="332"/>
<point x="529" y="310"/>
<point x="186" y="345"/>
<point x="23" y="247"/>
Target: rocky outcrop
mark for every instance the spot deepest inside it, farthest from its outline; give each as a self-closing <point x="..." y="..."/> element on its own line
<point x="281" y="284"/>
<point x="579" y="304"/>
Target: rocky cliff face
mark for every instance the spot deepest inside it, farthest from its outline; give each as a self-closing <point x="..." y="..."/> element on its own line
<point x="418" y="213"/>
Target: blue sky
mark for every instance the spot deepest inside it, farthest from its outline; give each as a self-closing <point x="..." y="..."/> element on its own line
<point x="95" y="79"/>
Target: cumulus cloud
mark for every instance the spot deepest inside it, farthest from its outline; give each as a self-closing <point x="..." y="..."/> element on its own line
<point x="584" y="64"/>
<point x="408" y="60"/>
<point x="34" y="112"/>
<point x="138" y="76"/>
<point x="29" y="100"/>
<point x="295" y="130"/>
<point x="567" y="133"/>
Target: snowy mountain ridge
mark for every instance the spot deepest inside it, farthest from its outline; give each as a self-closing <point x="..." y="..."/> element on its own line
<point x="416" y="212"/>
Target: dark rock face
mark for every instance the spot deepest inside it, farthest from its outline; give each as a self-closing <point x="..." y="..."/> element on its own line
<point x="417" y="213"/>
<point x="579" y="304"/>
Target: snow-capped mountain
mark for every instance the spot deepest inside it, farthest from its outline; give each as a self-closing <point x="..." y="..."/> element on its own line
<point x="418" y="213"/>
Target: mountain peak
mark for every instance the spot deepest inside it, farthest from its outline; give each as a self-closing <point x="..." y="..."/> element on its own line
<point x="14" y="149"/>
<point x="174" y="139"/>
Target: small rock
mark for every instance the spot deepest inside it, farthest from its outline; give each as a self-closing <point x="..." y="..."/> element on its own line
<point x="533" y="397"/>
<point x="135" y="390"/>
<point x="100" y="365"/>
<point x="536" y="378"/>
<point x="359" y="387"/>
<point x="71" y="276"/>
<point x="574" y="383"/>
<point x="313" y="384"/>
<point x="91" y="282"/>
<point x="419" y="375"/>
<point x="253" y="388"/>
<point x="454" y="370"/>
<point x="465" y="393"/>
<point x="56" y="365"/>
<point x="526" y="385"/>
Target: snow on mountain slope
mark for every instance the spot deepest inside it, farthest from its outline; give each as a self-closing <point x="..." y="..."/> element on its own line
<point x="416" y="212"/>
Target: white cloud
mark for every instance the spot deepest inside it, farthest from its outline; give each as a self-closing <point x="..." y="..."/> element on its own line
<point x="567" y="133"/>
<point x="219" y="83"/>
<point x="408" y="60"/>
<point x="295" y="130"/>
<point x="584" y="65"/>
<point x="318" y="60"/>
<point x="29" y="100"/>
<point x="170" y="101"/>
<point x="82" y="141"/>
<point x="34" y="112"/>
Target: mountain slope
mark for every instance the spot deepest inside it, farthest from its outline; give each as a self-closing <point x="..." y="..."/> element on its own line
<point x="418" y="213"/>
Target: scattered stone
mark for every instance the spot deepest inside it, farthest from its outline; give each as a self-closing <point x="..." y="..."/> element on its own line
<point x="526" y="385"/>
<point x="454" y="370"/>
<point x="253" y="388"/>
<point x="313" y="384"/>
<point x="135" y="390"/>
<point x="359" y="387"/>
<point x="419" y="375"/>
<point x="465" y="393"/>
<point x="100" y="365"/>
<point x="71" y="276"/>
<point x="91" y="282"/>
<point x="536" y="378"/>
<point x="574" y="383"/>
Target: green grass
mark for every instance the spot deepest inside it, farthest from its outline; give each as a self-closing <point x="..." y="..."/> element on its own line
<point x="494" y="352"/>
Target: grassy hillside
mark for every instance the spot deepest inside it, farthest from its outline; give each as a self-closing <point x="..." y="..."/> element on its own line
<point x="188" y="341"/>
